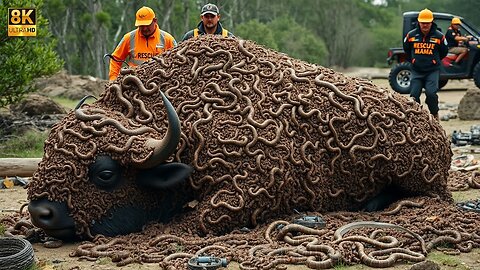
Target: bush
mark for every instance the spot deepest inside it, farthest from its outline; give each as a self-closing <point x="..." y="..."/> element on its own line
<point x="24" y="58"/>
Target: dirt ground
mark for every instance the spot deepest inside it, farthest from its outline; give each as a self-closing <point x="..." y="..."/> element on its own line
<point x="59" y="259"/>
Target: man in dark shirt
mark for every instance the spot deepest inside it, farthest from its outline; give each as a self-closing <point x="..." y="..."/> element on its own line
<point x="455" y="39"/>
<point x="210" y="24"/>
<point x="425" y="47"/>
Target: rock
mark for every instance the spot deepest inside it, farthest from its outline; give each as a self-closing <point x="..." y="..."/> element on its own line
<point x="469" y="107"/>
<point x="425" y="265"/>
<point x="34" y="104"/>
<point x="34" y="112"/>
<point x="21" y="123"/>
<point x="70" y="86"/>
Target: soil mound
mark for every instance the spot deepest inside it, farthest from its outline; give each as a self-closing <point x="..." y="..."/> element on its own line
<point x="70" y="86"/>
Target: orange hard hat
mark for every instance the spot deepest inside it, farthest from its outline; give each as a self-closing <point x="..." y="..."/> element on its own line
<point x="425" y="16"/>
<point x="456" y="21"/>
<point x="144" y="16"/>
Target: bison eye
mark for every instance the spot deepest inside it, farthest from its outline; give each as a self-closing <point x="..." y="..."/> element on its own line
<point x="105" y="178"/>
<point x="105" y="173"/>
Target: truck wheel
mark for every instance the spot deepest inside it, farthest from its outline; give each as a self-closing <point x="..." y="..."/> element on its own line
<point x="476" y="74"/>
<point x="442" y="83"/>
<point x="400" y="77"/>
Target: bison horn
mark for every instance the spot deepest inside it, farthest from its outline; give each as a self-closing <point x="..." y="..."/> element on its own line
<point x="164" y="148"/>
<point x="80" y="103"/>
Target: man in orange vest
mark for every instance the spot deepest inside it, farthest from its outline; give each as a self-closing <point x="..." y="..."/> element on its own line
<point x="210" y="24"/>
<point x="141" y="44"/>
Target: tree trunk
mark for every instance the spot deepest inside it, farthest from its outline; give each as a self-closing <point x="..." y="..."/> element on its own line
<point x="186" y="8"/>
<point x="18" y="166"/>
<point x="166" y="16"/>
<point x="116" y="38"/>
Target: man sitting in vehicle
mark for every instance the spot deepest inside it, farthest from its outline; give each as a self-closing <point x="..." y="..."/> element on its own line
<point x="456" y="41"/>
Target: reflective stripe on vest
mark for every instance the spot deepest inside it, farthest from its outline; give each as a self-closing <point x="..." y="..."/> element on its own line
<point x="162" y="40"/>
<point x="224" y="32"/>
<point x="134" y="62"/>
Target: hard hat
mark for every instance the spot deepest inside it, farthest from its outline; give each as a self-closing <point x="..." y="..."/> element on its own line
<point x="145" y="16"/>
<point x="425" y="16"/>
<point x="456" y="21"/>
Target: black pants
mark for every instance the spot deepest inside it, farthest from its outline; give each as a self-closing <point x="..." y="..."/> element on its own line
<point x="429" y="81"/>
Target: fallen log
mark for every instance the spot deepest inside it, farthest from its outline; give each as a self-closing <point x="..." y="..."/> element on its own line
<point x="18" y="166"/>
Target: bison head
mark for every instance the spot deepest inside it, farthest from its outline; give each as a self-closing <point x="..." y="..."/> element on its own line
<point x="104" y="169"/>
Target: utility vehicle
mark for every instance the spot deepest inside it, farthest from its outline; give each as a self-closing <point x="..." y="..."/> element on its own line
<point x="400" y="74"/>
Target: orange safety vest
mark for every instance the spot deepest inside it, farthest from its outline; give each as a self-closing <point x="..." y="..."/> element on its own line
<point x="224" y="32"/>
<point x="136" y="49"/>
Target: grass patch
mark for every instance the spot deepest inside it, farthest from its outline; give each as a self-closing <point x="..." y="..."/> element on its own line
<point x="25" y="145"/>
<point x="41" y="264"/>
<point x="29" y="144"/>
<point x="469" y="194"/>
<point x="104" y="261"/>
<point x="340" y="266"/>
<point x="34" y="267"/>
<point x="446" y="260"/>
<point x="65" y="102"/>
<point x="2" y="229"/>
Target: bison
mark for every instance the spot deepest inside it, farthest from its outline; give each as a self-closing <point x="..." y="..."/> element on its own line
<point x="223" y="133"/>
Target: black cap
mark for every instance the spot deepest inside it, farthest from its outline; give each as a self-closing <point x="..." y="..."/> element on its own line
<point x="210" y="8"/>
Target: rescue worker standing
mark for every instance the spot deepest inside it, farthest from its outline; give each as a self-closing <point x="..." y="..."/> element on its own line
<point x="454" y="37"/>
<point x="209" y="24"/>
<point x="142" y="43"/>
<point x="425" y="47"/>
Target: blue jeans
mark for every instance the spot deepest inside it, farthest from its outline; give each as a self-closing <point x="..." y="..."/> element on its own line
<point x="429" y="81"/>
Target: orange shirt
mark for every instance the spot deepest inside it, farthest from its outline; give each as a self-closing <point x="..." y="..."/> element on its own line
<point x="136" y="49"/>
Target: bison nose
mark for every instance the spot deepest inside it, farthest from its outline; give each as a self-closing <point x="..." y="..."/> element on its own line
<point x="53" y="218"/>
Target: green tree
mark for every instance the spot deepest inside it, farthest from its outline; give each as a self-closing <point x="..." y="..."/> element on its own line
<point x="382" y="35"/>
<point x="352" y="32"/>
<point x="297" y="41"/>
<point x="257" y="31"/>
<point x="383" y="38"/>
<point x="82" y="28"/>
<point x="24" y="58"/>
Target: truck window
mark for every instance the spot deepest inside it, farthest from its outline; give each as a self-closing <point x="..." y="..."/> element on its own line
<point x="470" y="28"/>
<point x="443" y="25"/>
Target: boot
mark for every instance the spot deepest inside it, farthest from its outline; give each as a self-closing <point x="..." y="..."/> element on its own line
<point x="436" y="116"/>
